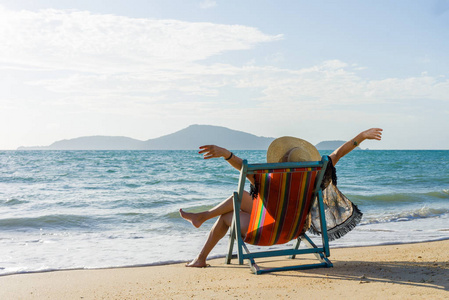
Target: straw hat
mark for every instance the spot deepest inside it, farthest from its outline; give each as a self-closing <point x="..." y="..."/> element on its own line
<point x="291" y="149"/>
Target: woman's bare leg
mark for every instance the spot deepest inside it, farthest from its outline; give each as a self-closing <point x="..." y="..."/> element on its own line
<point x="217" y="232"/>
<point x="222" y="225"/>
<point x="197" y="219"/>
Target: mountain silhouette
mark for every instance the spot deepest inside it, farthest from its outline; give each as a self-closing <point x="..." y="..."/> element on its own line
<point x="189" y="138"/>
<point x="186" y="139"/>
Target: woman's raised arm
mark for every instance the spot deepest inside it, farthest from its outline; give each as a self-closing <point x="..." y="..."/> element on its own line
<point x="370" y="134"/>
<point x="213" y="151"/>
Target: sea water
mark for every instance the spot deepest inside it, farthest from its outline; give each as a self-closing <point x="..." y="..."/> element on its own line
<point x="99" y="209"/>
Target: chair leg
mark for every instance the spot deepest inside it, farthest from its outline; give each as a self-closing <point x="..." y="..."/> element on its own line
<point x="254" y="267"/>
<point x="231" y="245"/>
<point x="298" y="241"/>
<point x="320" y="256"/>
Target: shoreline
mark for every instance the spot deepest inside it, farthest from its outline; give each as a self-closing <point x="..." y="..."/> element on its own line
<point x="374" y="272"/>
<point x="215" y="257"/>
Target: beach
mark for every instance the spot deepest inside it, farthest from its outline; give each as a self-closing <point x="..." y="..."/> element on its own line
<point x="404" y="271"/>
<point x="106" y="209"/>
<point x="72" y="224"/>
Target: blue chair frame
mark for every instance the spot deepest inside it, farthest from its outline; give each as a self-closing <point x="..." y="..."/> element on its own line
<point x="322" y="253"/>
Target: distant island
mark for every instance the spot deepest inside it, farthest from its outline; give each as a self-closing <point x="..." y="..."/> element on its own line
<point x="185" y="139"/>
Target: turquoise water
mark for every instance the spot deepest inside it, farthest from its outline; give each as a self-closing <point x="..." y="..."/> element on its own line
<point x="92" y="209"/>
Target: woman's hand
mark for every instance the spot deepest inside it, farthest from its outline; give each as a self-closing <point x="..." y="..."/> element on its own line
<point x="211" y="151"/>
<point x="372" y="134"/>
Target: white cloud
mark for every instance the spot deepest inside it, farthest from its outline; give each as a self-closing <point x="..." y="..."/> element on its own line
<point x="331" y="84"/>
<point x="121" y="56"/>
<point x="82" y="41"/>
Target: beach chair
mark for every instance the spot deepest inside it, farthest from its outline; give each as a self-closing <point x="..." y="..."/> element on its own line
<point x="279" y="213"/>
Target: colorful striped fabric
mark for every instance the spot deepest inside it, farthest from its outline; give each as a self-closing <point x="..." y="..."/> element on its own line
<point x="280" y="210"/>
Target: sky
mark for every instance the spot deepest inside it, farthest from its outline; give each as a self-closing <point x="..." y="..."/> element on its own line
<point x="318" y="70"/>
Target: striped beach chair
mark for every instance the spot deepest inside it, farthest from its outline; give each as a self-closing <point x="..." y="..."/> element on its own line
<point x="286" y="192"/>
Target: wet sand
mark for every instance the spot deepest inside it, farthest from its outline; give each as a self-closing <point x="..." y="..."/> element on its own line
<point x="404" y="271"/>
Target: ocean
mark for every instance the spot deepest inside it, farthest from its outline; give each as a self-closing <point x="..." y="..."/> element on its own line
<point x="100" y="209"/>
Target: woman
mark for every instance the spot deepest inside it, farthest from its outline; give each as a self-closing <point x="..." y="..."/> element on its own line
<point x="224" y="210"/>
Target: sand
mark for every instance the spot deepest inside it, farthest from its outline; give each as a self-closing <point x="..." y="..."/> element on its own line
<point x="407" y="271"/>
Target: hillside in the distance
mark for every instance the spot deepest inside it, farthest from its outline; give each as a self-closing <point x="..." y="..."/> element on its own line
<point x="189" y="138"/>
<point x="186" y="139"/>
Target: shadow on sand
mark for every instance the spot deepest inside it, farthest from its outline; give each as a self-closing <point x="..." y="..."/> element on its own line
<point x="418" y="274"/>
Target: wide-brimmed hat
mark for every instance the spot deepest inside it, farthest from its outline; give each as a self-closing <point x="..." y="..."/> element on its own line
<point x="291" y="149"/>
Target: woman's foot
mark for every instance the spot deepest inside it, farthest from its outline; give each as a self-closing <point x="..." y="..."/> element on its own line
<point x="194" y="218"/>
<point x="197" y="263"/>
